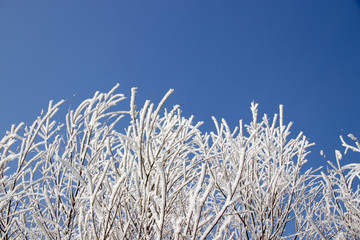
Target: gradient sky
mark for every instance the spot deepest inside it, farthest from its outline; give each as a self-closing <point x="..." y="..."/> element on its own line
<point x="219" y="56"/>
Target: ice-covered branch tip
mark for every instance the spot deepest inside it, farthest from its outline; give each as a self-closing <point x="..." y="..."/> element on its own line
<point x="347" y="146"/>
<point x="281" y="112"/>
<point x="254" y="110"/>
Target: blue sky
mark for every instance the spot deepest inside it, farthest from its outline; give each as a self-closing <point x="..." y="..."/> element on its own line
<point x="217" y="55"/>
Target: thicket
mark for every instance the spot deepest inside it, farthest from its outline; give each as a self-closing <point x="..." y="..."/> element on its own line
<point x="162" y="178"/>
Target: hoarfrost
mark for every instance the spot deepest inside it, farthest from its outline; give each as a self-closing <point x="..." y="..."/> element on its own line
<point x="163" y="179"/>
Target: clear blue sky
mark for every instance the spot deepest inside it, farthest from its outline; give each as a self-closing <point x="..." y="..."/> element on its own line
<point x="217" y="55"/>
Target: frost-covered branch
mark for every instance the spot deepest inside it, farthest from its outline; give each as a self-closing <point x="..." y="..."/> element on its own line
<point x="338" y="210"/>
